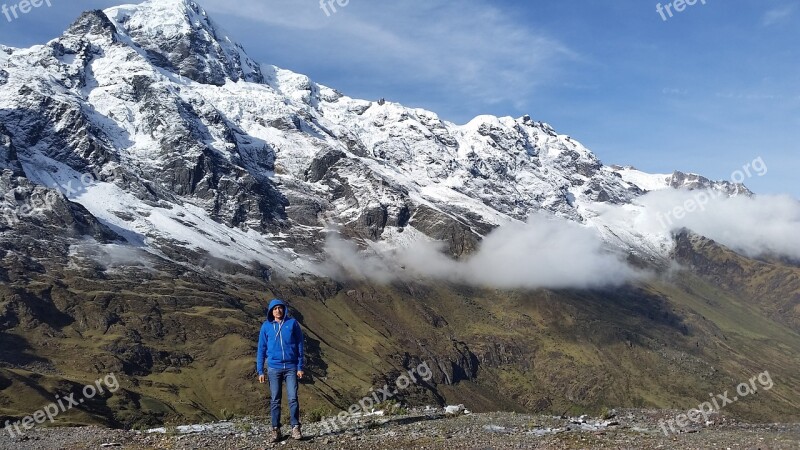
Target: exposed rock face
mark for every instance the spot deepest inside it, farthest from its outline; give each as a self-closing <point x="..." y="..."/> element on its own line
<point x="8" y="154"/>
<point x="459" y="236"/>
<point x="179" y="36"/>
<point x="680" y="180"/>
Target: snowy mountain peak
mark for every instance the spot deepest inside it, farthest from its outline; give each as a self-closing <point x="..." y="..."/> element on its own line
<point x="92" y="23"/>
<point x="178" y="35"/>
<point x="250" y="164"/>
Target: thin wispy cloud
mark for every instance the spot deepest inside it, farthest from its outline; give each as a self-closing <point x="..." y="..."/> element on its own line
<point x="748" y="96"/>
<point x="289" y="14"/>
<point x="471" y="49"/>
<point x="674" y="91"/>
<point x="777" y="15"/>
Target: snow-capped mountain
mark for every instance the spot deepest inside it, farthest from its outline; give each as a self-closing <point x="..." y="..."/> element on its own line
<point x="156" y="122"/>
<point x="158" y="187"/>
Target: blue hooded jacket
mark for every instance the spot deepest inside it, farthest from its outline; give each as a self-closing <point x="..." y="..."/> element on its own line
<point x="280" y="343"/>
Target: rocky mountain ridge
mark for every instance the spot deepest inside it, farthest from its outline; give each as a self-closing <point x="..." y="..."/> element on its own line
<point x="155" y="102"/>
<point x="158" y="187"/>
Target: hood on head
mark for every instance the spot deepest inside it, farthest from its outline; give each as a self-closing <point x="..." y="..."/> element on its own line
<point x="272" y="304"/>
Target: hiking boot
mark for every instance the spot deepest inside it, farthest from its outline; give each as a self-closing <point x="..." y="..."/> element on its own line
<point x="275" y="435"/>
<point x="296" y="434"/>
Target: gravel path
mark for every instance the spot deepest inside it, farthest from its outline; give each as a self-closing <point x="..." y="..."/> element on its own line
<point x="628" y="429"/>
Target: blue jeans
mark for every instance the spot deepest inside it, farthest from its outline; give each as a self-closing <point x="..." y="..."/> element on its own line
<point x="276" y="379"/>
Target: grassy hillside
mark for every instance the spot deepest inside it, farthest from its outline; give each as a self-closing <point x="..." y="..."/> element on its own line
<point x="182" y="344"/>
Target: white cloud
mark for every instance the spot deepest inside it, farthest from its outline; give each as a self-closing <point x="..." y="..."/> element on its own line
<point x="748" y="96"/>
<point x="346" y="261"/>
<point x="776" y="15"/>
<point x="545" y="252"/>
<point x="674" y="91"/>
<point x="753" y="226"/>
<point x="473" y="48"/>
<point x="283" y="13"/>
<point x="551" y="252"/>
<point x="111" y="255"/>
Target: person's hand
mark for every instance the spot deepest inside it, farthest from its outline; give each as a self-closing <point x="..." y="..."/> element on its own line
<point x="300" y="374"/>
<point x="262" y="379"/>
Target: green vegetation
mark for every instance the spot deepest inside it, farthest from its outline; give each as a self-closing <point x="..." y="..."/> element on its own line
<point x="226" y="415"/>
<point x="183" y="344"/>
<point x="244" y="427"/>
<point x="316" y="414"/>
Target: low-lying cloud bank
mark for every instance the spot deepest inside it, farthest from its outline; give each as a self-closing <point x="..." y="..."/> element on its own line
<point x="754" y="226"/>
<point x="551" y="252"/>
<point x="544" y="252"/>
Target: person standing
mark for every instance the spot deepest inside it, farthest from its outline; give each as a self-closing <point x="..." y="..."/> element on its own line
<point x="280" y="343"/>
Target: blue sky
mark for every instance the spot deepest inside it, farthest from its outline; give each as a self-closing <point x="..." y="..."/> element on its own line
<point x="709" y="90"/>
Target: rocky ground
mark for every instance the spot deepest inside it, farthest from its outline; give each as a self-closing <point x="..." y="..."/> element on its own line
<point x="431" y="429"/>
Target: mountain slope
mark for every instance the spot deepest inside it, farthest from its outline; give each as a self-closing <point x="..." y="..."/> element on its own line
<point x="155" y="101"/>
<point x="187" y="185"/>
